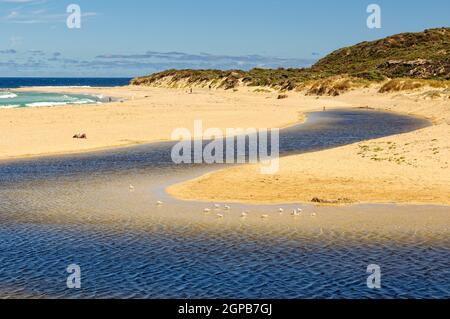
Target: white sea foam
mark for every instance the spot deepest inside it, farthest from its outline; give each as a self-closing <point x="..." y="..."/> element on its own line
<point x="42" y="104"/>
<point x="37" y="104"/>
<point x="7" y="95"/>
<point x="66" y="86"/>
<point x="9" y="106"/>
<point x="44" y="100"/>
<point x="85" y="101"/>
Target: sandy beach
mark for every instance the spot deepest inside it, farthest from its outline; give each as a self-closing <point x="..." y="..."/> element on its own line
<point x="146" y="115"/>
<point x="407" y="168"/>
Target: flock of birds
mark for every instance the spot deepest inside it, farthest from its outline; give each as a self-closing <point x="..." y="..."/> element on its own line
<point x="295" y="213"/>
<point x="226" y="208"/>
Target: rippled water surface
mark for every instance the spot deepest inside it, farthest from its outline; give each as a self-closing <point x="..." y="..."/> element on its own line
<point x="178" y="263"/>
<point x="79" y="209"/>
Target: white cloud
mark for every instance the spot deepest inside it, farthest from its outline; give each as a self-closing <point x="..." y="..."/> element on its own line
<point x="39" y="17"/>
<point x="25" y="14"/>
<point x="18" y="1"/>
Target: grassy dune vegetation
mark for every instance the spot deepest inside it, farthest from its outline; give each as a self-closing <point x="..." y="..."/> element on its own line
<point x="410" y="60"/>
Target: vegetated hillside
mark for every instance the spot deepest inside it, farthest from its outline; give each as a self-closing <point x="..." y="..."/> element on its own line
<point x="282" y="79"/>
<point x="423" y="55"/>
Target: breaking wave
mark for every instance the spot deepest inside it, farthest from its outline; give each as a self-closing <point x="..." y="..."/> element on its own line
<point x="7" y="95"/>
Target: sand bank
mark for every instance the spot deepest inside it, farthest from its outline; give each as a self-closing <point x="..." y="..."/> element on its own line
<point x="407" y="168"/>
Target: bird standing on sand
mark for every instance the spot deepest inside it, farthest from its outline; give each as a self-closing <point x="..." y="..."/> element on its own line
<point x="313" y="214"/>
<point x="220" y="216"/>
<point x="216" y="206"/>
<point x="207" y="210"/>
<point x="264" y="216"/>
<point x="131" y="188"/>
<point x="281" y="210"/>
<point x="159" y="203"/>
<point x="227" y="207"/>
<point x="295" y="213"/>
<point x="244" y="214"/>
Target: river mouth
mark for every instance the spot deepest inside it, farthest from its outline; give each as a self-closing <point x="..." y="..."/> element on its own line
<point x="56" y="211"/>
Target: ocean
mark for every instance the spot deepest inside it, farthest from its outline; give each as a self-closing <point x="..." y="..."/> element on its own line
<point x="10" y="99"/>
<point x="11" y="83"/>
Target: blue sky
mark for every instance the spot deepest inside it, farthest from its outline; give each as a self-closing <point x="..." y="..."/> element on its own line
<point x="136" y="37"/>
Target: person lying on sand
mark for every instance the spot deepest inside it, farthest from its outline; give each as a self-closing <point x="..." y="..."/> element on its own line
<point x="80" y="136"/>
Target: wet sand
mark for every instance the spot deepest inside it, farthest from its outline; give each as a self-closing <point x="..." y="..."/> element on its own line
<point x="103" y="199"/>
